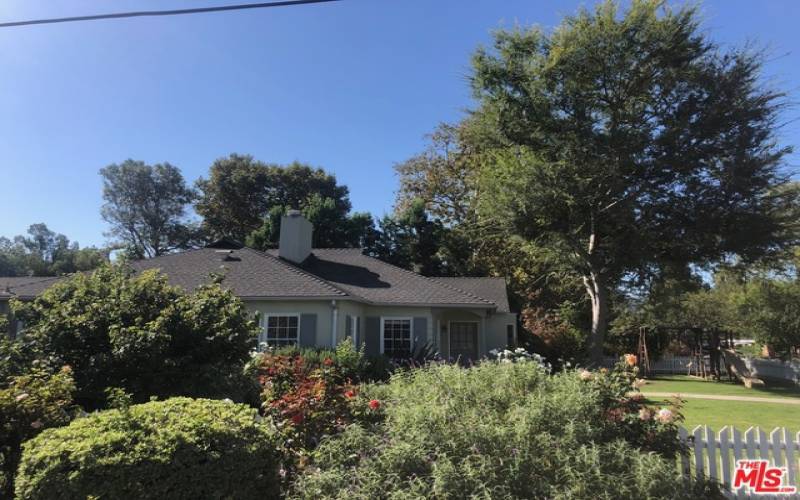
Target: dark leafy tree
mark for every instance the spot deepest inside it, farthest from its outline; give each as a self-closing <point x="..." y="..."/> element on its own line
<point x="46" y="253"/>
<point x="411" y="240"/>
<point x="137" y="333"/>
<point x="146" y="207"/>
<point x="631" y="140"/>
<point x="244" y="199"/>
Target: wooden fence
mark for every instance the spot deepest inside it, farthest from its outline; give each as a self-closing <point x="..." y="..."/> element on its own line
<point x="714" y="455"/>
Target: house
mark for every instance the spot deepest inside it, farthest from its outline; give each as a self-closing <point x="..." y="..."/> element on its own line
<point x="318" y="297"/>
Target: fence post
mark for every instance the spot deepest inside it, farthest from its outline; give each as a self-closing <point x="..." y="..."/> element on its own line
<point x="724" y="454"/>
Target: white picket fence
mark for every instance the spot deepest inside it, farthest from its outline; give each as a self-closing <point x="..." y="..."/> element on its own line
<point x="714" y="455"/>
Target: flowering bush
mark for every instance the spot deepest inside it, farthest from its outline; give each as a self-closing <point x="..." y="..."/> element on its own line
<point x="308" y="402"/>
<point x="518" y="355"/>
<point x="30" y="404"/>
<point x="350" y="363"/>
<point x="499" y="430"/>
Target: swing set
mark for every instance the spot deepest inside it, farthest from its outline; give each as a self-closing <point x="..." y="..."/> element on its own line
<point x="707" y="349"/>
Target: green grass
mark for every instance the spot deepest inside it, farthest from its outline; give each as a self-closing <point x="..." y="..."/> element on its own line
<point x="740" y="414"/>
<point x="691" y="385"/>
<point x="717" y="414"/>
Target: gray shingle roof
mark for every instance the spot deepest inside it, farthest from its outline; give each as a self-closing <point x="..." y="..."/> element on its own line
<point x="492" y="289"/>
<point x="25" y="287"/>
<point x="327" y="273"/>
<point x="378" y="282"/>
<point x="247" y="273"/>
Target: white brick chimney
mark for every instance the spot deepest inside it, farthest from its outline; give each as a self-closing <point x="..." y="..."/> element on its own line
<point x="295" y="237"/>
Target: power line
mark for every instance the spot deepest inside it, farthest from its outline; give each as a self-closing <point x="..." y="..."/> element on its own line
<point x="152" y="13"/>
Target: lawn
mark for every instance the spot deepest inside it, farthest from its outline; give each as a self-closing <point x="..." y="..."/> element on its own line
<point x="692" y="385"/>
<point x="741" y="414"/>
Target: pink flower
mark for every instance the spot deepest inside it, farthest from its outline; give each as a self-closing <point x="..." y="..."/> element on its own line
<point x="665" y="416"/>
<point x="645" y="414"/>
<point x="585" y="375"/>
<point x="374" y="404"/>
<point x="328" y="362"/>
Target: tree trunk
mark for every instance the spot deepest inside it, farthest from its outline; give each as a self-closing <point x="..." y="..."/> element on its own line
<point x="596" y="288"/>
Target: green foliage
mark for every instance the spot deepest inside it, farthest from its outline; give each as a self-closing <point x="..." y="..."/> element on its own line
<point x="179" y="448"/>
<point x="352" y="364"/>
<point x="135" y="332"/>
<point x="411" y="240"/>
<point x="146" y="207"/>
<point x="499" y="430"/>
<point x="28" y="405"/>
<point x="46" y="253"/>
<point x="624" y="134"/>
<point x="244" y="198"/>
<point x="16" y="358"/>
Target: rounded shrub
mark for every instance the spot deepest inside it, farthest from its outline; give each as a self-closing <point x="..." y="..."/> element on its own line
<point x="178" y="448"/>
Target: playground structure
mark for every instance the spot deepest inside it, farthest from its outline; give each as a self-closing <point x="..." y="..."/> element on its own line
<point x="709" y="350"/>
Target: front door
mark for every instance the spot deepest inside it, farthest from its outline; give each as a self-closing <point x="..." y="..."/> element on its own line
<point x="464" y="341"/>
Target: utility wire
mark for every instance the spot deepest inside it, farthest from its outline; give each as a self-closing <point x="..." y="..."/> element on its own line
<point x="153" y="13"/>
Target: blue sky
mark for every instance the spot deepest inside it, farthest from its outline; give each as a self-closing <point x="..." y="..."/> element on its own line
<point x="351" y="86"/>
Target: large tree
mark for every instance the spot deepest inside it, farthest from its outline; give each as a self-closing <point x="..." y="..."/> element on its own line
<point x="244" y="198"/>
<point x="632" y="140"/>
<point x="146" y="207"/>
<point x="411" y="239"/>
<point x="44" y="252"/>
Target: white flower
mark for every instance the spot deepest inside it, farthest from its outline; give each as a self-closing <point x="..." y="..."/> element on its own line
<point x="645" y="414"/>
<point x="585" y="375"/>
<point x="664" y="415"/>
<point x="22" y="396"/>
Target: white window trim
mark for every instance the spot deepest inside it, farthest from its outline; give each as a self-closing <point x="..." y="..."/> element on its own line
<point x="399" y="318"/>
<point x="450" y="338"/>
<point x="265" y="321"/>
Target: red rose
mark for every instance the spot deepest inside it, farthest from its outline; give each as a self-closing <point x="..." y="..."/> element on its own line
<point x="297" y="418"/>
<point x="349" y="394"/>
<point x="374" y="404"/>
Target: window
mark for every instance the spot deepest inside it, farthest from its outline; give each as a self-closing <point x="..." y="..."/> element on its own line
<point x="510" y="335"/>
<point x="396" y="337"/>
<point x="281" y="330"/>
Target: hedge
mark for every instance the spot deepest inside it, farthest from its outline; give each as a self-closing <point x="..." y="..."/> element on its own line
<point x="178" y="448"/>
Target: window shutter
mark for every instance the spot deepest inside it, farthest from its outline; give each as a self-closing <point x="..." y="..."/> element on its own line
<point x="372" y="336"/>
<point x="420" y="331"/>
<point x="308" y="330"/>
<point x="348" y="327"/>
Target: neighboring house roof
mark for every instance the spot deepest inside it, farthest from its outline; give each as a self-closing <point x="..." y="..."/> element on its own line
<point x="25" y="287"/>
<point x="326" y="274"/>
<point x="247" y="273"/>
<point x="492" y="289"/>
<point x="378" y="282"/>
